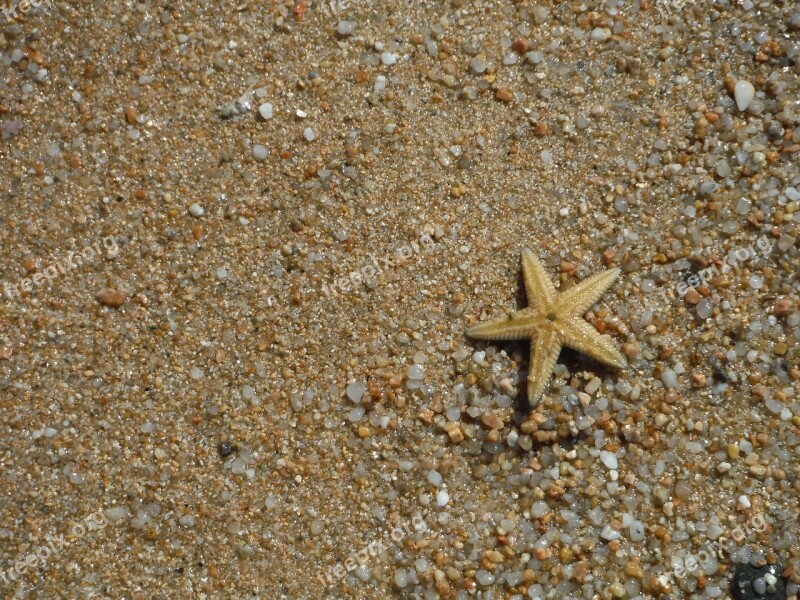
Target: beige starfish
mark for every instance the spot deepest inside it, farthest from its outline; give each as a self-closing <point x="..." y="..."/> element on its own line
<point x="552" y="321"/>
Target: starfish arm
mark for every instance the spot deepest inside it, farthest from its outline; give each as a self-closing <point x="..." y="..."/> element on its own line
<point x="510" y="327"/>
<point x="538" y="287"/>
<point x="544" y="353"/>
<point x="578" y="299"/>
<point x="579" y="335"/>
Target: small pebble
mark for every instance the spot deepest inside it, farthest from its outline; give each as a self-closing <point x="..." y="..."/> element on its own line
<point x="260" y="152"/>
<point x="265" y="110"/>
<point x="110" y="297"/>
<point x="743" y="93"/>
<point x="346" y="27"/>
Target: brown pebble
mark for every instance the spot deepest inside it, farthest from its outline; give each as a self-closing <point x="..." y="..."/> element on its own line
<point x="30" y="264"/>
<point x="521" y="45"/>
<point x="492" y="421"/>
<point x="503" y="95"/>
<point x="494" y="556"/>
<point x="456" y="435"/>
<point x="784" y="307"/>
<point x="692" y="297"/>
<point x="632" y="569"/>
<point x="492" y="436"/>
<point x="110" y="297"/>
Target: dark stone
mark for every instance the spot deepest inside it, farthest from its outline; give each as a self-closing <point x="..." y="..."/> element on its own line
<point x="745" y="575"/>
<point x="225" y="449"/>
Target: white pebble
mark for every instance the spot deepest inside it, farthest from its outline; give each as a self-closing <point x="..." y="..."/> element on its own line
<point x="260" y="152"/>
<point x="196" y="373"/>
<point x="442" y="498"/>
<point x="356" y="414"/>
<point x="484" y="577"/>
<point x="539" y="509"/>
<point x="346" y="27"/>
<point x="117" y="513"/>
<point x="308" y="133"/>
<point x="609" y="459"/>
<point x="356" y="390"/>
<point x="196" y="210"/>
<point x="434" y="478"/>
<point x="265" y="110"/>
<point x="636" y="530"/>
<point x="705" y="308"/>
<point x="609" y="533"/>
<point x="669" y="379"/>
<point x="187" y="520"/>
<point x="743" y="93"/>
<point x="534" y="57"/>
<point x="415" y="372"/>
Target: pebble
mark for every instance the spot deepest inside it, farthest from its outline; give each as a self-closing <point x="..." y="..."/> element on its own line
<point x="434" y="478"/>
<point x="669" y="378"/>
<point x="356" y="391"/>
<point x="265" y="110"/>
<point x="601" y="34"/>
<point x="196" y="210"/>
<point x="225" y="449"/>
<point x="637" y="531"/>
<point x="415" y="372"/>
<point x="705" y="308"/>
<point x="743" y="93"/>
<point x="260" y="152"/>
<point x="111" y="297"/>
<point x="534" y="57"/>
<point x="346" y="27"/>
<point x="609" y="459"/>
<point x="308" y="133"/>
<point x="477" y="65"/>
<point x="484" y="578"/>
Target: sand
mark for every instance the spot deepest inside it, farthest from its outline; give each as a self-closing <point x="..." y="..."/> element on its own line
<point x="241" y="245"/>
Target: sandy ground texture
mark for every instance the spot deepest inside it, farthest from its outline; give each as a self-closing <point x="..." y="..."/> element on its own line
<point x="240" y="245"/>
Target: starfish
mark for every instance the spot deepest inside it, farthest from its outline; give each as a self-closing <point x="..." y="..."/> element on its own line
<point x="552" y="321"/>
